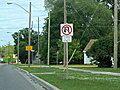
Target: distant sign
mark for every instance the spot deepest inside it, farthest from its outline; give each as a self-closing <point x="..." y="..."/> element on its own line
<point x="67" y="38"/>
<point x="66" y="29"/>
<point x="29" y="48"/>
<point x="8" y="56"/>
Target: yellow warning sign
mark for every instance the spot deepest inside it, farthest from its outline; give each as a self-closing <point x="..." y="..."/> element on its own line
<point x="8" y="56"/>
<point x="29" y="48"/>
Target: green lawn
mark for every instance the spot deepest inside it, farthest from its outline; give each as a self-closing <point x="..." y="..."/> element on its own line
<point x="77" y="80"/>
<point x="101" y="69"/>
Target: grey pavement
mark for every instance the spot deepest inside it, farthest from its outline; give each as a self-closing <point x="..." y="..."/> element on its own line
<point x="93" y="72"/>
<point x="11" y="79"/>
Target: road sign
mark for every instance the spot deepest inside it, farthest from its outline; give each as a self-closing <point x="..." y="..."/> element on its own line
<point x="8" y="56"/>
<point x="67" y="38"/>
<point x="29" y="48"/>
<point x="66" y="29"/>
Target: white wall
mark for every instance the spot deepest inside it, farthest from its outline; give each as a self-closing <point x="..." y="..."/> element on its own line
<point x="86" y="59"/>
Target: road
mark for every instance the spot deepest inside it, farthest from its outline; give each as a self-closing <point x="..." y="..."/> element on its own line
<point x="11" y="79"/>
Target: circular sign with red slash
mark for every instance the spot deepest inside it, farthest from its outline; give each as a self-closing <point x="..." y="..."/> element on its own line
<point x="67" y="29"/>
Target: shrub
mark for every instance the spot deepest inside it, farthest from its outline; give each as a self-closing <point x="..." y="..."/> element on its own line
<point x="102" y="51"/>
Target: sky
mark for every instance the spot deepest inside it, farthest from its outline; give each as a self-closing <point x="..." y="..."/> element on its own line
<point x="13" y="18"/>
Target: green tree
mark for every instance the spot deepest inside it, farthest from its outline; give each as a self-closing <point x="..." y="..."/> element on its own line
<point x="91" y="20"/>
<point x="102" y="51"/>
<point x="24" y="42"/>
<point x="6" y="51"/>
<point x="77" y="58"/>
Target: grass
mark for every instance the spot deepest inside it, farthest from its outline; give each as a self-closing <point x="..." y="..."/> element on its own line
<point x="102" y="69"/>
<point x="77" y="80"/>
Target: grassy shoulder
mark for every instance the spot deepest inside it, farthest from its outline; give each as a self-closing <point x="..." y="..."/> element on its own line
<point x="100" y="69"/>
<point x="77" y="80"/>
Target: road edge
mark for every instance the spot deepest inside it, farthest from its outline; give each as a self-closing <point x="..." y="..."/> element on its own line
<point x="38" y="80"/>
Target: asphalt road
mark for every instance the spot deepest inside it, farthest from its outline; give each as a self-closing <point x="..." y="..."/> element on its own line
<point x="11" y="79"/>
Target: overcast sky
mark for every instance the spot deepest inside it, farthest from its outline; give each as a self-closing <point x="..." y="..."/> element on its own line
<point x="14" y="18"/>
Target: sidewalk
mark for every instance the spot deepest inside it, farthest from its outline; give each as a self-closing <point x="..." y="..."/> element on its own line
<point x="75" y="69"/>
<point x="60" y="66"/>
<point x="95" y="72"/>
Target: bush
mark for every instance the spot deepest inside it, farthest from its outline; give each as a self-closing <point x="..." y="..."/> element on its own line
<point x="102" y="51"/>
<point x="104" y="62"/>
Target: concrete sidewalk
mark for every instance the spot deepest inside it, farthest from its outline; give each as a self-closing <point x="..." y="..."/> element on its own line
<point x="75" y="69"/>
<point x="95" y="72"/>
<point x="60" y="66"/>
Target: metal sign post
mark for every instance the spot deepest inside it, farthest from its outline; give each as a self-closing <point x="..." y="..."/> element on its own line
<point x="66" y="33"/>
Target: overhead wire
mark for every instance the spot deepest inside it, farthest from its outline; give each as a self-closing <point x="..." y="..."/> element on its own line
<point x="38" y="8"/>
<point x="89" y="22"/>
<point x="79" y="16"/>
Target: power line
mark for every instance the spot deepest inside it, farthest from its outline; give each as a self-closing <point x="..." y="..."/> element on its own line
<point x="38" y="9"/>
<point x="12" y="19"/>
<point x="89" y="22"/>
<point x="9" y="28"/>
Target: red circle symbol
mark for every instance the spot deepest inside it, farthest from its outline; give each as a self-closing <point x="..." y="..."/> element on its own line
<point x="66" y="29"/>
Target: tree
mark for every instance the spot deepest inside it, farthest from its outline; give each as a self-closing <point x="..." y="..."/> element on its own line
<point x="24" y="42"/>
<point x="91" y="20"/>
<point x="102" y="51"/>
<point x="6" y="51"/>
<point x="77" y="58"/>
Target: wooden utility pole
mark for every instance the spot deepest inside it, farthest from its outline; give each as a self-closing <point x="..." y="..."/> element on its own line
<point x="38" y="43"/>
<point x="115" y="33"/>
<point x="29" y="34"/>
<point x="18" y="47"/>
<point x="48" y="61"/>
<point x="65" y="21"/>
<point x="65" y="43"/>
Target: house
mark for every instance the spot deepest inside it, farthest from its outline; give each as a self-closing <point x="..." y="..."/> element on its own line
<point x="87" y="60"/>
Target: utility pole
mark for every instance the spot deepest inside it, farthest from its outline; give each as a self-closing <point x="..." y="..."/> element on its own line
<point x="65" y="43"/>
<point x="0" y="52"/>
<point x="115" y="34"/>
<point x="29" y="29"/>
<point x="18" y="47"/>
<point x="29" y="34"/>
<point x="48" y="61"/>
<point x="9" y="52"/>
<point x="65" y="21"/>
<point x="38" y="42"/>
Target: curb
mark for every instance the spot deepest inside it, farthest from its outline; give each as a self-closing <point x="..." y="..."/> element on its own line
<point x="40" y="81"/>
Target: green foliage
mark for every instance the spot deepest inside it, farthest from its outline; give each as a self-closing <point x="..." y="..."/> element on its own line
<point x="23" y="55"/>
<point x="102" y="51"/>
<point x="6" y="51"/>
<point x="91" y="20"/>
<point x="43" y="46"/>
<point x="72" y="46"/>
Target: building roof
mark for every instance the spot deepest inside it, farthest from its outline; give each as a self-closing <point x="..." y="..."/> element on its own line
<point x="91" y="42"/>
